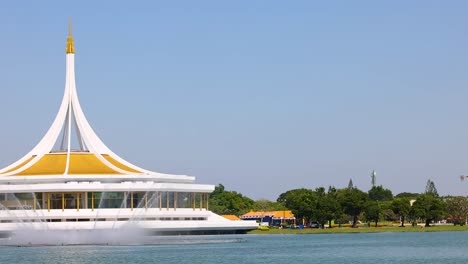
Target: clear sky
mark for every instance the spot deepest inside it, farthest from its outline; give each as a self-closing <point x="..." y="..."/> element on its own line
<point x="261" y="96"/>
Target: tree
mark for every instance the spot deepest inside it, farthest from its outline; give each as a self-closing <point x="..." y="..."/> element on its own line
<point x="327" y="206"/>
<point x="388" y="214"/>
<point x="429" y="208"/>
<point x="229" y="202"/>
<point x="407" y="195"/>
<point x="352" y="202"/>
<point x="401" y="207"/>
<point x="378" y="193"/>
<point x="350" y="184"/>
<point x="373" y="211"/>
<point x="266" y="205"/>
<point x="457" y="209"/>
<point x="300" y="201"/>
<point x="431" y="189"/>
<point x="332" y="205"/>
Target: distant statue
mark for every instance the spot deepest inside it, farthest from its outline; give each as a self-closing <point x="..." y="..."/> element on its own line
<point x="373" y="176"/>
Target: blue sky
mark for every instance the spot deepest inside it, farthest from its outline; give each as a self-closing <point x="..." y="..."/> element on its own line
<point x="261" y="96"/>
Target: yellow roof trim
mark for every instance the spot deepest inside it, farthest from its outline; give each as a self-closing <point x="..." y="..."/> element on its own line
<point x="118" y="164"/>
<point x="80" y="163"/>
<point x="20" y="165"/>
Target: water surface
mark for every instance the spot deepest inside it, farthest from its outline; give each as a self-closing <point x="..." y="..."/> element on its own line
<point x="414" y="248"/>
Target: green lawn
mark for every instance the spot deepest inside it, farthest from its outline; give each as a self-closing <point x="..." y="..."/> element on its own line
<point x="361" y="230"/>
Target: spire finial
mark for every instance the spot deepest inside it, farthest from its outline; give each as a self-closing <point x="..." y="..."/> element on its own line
<point x="70" y="45"/>
<point x="69" y="26"/>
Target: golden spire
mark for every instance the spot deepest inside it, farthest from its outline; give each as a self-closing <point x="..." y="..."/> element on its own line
<point x="70" y="45"/>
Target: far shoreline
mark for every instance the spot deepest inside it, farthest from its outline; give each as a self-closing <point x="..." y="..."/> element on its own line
<point x="349" y="230"/>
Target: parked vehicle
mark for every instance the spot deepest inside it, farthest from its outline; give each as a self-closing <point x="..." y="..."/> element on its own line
<point x="314" y="225"/>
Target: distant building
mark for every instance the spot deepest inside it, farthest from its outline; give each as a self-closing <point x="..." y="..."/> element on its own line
<point x="274" y="218"/>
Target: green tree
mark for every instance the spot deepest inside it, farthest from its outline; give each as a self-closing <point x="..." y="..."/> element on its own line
<point x="327" y="206"/>
<point x="407" y="195"/>
<point x="431" y="189"/>
<point x="387" y="213"/>
<point x="229" y="202"/>
<point x="373" y="212"/>
<point x="350" y="184"/>
<point x="300" y="201"/>
<point x="352" y="202"/>
<point x="457" y="209"/>
<point x="378" y="193"/>
<point x="401" y="207"/>
<point x="332" y="205"/>
<point x="428" y="208"/>
<point x="263" y="205"/>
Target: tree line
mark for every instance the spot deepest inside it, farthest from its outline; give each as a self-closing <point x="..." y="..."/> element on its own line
<point x="350" y="204"/>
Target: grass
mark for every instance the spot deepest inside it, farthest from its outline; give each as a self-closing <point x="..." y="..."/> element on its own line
<point x="337" y="230"/>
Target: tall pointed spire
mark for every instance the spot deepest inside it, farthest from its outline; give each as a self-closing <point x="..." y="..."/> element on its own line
<point x="91" y="157"/>
<point x="70" y="45"/>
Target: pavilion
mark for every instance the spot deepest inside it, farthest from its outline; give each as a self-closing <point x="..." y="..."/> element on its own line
<point x="72" y="180"/>
<point x="273" y="218"/>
